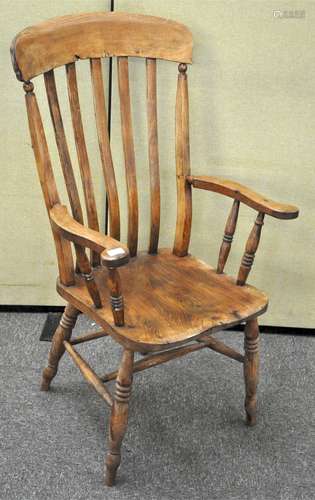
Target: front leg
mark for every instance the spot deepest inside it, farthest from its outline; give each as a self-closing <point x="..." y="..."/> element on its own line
<point x="119" y="416"/>
<point x="57" y="349"/>
<point x="251" y="367"/>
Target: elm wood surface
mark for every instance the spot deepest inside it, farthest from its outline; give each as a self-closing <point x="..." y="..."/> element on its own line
<point x="156" y="300"/>
<point x="83" y="265"/>
<point x="251" y="368"/>
<point x="119" y="415"/>
<point x="250" y="250"/>
<point x="66" y="39"/>
<point x="62" y="146"/>
<point x="116" y="298"/>
<point x="184" y="202"/>
<point x="63" y="332"/>
<point x="168" y="300"/>
<point x="47" y="181"/>
<point x="129" y="153"/>
<point x="83" y="159"/>
<point x="245" y="195"/>
<point x="152" y="120"/>
<point x="228" y="236"/>
<point x="71" y="230"/>
<point x="104" y="147"/>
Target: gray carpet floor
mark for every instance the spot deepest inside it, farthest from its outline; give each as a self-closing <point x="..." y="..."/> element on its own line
<point x="186" y="437"/>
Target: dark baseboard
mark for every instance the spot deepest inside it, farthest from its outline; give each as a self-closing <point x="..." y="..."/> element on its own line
<point x="57" y="310"/>
<point x="279" y="330"/>
<point x="31" y="309"/>
<point x="50" y="326"/>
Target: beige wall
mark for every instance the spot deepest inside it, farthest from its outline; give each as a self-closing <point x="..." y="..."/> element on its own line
<point x="252" y="115"/>
<point x="28" y="262"/>
<point x="252" y="101"/>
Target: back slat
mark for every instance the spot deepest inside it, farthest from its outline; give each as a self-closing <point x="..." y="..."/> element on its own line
<point x="105" y="152"/>
<point x="130" y="163"/>
<point x="47" y="180"/>
<point x="83" y="159"/>
<point x="153" y="155"/>
<point x="62" y="146"/>
<point x="184" y="202"/>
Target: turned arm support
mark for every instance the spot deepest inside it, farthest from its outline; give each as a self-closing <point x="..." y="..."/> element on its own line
<point x="254" y="200"/>
<point x="113" y="253"/>
<point x="245" y="195"/>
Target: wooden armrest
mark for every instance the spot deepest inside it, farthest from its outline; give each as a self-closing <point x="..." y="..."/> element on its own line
<point x="245" y="195"/>
<point x="113" y="253"/>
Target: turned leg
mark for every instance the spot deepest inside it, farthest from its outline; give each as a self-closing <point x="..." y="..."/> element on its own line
<point x="251" y="367"/>
<point x="57" y="349"/>
<point x="119" y="416"/>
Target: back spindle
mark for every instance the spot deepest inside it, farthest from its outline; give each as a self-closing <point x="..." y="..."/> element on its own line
<point x="116" y="298"/>
<point x="153" y="155"/>
<point x="129" y="153"/>
<point x="250" y="250"/>
<point x="87" y="273"/>
<point x="62" y="146"/>
<point x="184" y="202"/>
<point x="47" y="181"/>
<point x="228" y="236"/>
<point x="83" y="160"/>
<point x="104" y="146"/>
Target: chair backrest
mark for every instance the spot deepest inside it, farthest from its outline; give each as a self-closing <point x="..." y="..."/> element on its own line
<point x="64" y="41"/>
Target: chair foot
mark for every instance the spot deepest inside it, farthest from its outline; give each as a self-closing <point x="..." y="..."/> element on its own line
<point x="47" y="377"/>
<point x="251" y="412"/>
<point x="119" y="416"/>
<point x="63" y="332"/>
<point x="112" y="464"/>
<point x="251" y="368"/>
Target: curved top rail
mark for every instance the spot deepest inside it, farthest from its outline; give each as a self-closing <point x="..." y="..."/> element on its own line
<point x="65" y="39"/>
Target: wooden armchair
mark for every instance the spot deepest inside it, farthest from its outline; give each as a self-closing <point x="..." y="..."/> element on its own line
<point x="163" y="301"/>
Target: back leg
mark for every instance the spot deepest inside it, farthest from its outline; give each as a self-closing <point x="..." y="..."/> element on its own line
<point x="63" y="332"/>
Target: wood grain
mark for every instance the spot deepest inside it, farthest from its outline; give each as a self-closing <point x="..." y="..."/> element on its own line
<point x="129" y="153"/>
<point x="164" y="298"/>
<point x="228" y="236"/>
<point x="87" y="337"/>
<point x="218" y="346"/>
<point x="250" y="250"/>
<point x="104" y="147"/>
<point x="57" y="349"/>
<point x="83" y="159"/>
<point x="66" y="39"/>
<point x="184" y="204"/>
<point x="87" y="273"/>
<point x="153" y="155"/>
<point x="47" y="181"/>
<point x="157" y="359"/>
<point x="179" y="298"/>
<point x="245" y="195"/>
<point x="62" y="146"/>
<point x="116" y="297"/>
<point x="119" y="416"/>
<point x="178" y="352"/>
<point x="251" y="368"/>
<point x="89" y="374"/>
<point x="71" y="230"/>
